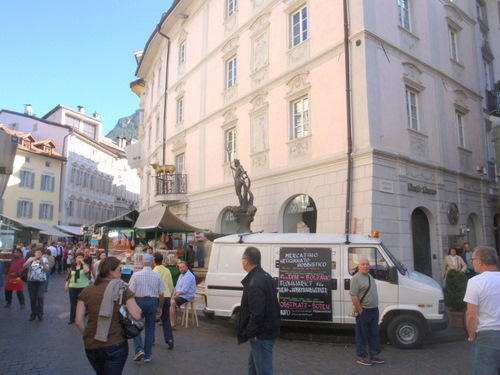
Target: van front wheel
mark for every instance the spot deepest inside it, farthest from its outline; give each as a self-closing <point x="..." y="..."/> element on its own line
<point x="406" y="332"/>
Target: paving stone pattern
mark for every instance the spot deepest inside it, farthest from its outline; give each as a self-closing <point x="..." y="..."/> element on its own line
<point x="53" y="347"/>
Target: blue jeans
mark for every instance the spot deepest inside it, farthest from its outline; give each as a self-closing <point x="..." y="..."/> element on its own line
<point x="367" y="333"/>
<point x="260" y="359"/>
<point x="109" y="360"/>
<point x="149" y="306"/>
<point x="165" y="319"/>
<point x="486" y="353"/>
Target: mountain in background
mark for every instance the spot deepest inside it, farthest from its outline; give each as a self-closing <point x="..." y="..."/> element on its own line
<point x="127" y="127"/>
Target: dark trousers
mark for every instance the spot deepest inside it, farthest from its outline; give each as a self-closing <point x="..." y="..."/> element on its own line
<point x="36" y="290"/>
<point x="58" y="265"/>
<point x="73" y="299"/>
<point x="20" y="296"/>
<point x="109" y="360"/>
<point x="367" y="335"/>
<point x="165" y="320"/>
<point x="65" y="264"/>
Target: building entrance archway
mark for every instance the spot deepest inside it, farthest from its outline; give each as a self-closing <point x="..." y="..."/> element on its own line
<point x="421" y="238"/>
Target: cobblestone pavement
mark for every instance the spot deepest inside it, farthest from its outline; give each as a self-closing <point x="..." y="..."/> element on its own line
<point x="54" y="347"/>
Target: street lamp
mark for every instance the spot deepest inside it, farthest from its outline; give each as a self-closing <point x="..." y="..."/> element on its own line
<point x="8" y="148"/>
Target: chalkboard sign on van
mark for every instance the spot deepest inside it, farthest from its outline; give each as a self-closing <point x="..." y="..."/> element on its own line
<point x="304" y="284"/>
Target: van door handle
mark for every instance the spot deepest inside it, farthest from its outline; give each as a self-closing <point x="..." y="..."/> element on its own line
<point x="347" y="284"/>
<point x="334" y="284"/>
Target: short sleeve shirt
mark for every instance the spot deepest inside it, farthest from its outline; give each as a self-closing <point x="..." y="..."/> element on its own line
<point x="484" y="291"/>
<point x="359" y="284"/>
<point x="92" y="296"/>
<point x="36" y="271"/>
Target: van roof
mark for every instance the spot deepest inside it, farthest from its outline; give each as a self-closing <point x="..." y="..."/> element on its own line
<point x="298" y="238"/>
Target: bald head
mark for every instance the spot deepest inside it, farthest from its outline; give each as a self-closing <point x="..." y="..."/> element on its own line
<point x="364" y="266"/>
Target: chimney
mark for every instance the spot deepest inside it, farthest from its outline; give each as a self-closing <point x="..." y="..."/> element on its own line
<point x="27" y="109"/>
<point x="81" y="109"/>
<point x="96" y="115"/>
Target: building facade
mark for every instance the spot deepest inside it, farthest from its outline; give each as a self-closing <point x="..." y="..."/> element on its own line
<point x="33" y="190"/>
<point x="96" y="183"/>
<point x="405" y="152"/>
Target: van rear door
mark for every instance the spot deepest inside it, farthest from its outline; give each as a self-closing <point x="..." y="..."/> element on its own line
<point x="308" y="283"/>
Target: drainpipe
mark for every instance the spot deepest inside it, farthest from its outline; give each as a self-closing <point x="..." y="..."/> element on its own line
<point x="64" y="166"/>
<point x="158" y="29"/>
<point x="349" y="122"/>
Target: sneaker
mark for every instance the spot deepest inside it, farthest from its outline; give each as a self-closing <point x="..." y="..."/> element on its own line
<point x="364" y="361"/>
<point x="377" y="359"/>
<point x="147" y="360"/>
<point x="32" y="317"/>
<point x="139" y="355"/>
<point x="170" y="344"/>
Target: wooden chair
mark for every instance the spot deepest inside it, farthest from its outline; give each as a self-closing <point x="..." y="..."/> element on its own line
<point x="185" y="314"/>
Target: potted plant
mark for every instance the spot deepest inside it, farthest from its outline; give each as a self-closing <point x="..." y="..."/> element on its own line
<point x="454" y="292"/>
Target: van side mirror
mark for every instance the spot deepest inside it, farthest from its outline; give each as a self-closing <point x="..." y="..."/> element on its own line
<point x="393" y="275"/>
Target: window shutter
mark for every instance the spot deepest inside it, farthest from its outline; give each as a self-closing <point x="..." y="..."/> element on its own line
<point x="19" y="205"/>
<point x="30" y="209"/>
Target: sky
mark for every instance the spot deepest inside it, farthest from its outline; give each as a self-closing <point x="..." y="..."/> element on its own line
<point x="74" y="53"/>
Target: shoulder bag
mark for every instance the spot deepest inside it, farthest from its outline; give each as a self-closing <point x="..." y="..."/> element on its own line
<point x="130" y="327"/>
<point x="353" y="311"/>
<point x="24" y="274"/>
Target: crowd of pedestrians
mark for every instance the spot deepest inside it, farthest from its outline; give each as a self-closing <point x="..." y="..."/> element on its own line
<point x="96" y="293"/>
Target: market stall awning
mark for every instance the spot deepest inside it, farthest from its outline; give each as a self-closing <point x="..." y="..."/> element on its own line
<point x="46" y="229"/>
<point x="162" y="218"/>
<point x="71" y="229"/>
<point x="127" y="219"/>
<point x="41" y="227"/>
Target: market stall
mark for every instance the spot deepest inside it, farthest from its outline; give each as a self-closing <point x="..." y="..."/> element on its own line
<point x="164" y="232"/>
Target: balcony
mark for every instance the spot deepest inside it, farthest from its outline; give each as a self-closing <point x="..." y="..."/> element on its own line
<point x="493" y="102"/>
<point x="170" y="188"/>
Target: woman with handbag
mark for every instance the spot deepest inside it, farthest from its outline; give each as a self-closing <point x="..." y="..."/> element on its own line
<point x="38" y="267"/>
<point x="105" y="345"/>
<point x="76" y="281"/>
<point x="14" y="282"/>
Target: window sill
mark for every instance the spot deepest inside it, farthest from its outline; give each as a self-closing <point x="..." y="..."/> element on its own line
<point x="299" y="139"/>
<point x="417" y="132"/>
<point x="456" y="63"/>
<point x="408" y="32"/>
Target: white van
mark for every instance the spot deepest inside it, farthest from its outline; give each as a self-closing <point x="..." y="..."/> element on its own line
<point x="313" y="273"/>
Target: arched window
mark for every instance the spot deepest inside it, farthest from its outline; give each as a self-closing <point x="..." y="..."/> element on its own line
<point x="300" y="215"/>
<point x="227" y="224"/>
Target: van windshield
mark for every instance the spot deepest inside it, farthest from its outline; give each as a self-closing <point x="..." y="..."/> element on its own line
<point x="400" y="266"/>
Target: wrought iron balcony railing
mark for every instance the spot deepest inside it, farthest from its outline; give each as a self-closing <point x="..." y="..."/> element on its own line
<point x="171" y="184"/>
<point x="493" y="102"/>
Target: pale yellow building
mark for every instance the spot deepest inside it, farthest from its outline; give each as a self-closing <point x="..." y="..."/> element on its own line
<point x="32" y="194"/>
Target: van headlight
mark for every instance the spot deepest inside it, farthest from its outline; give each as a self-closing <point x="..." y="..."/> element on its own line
<point x="441" y="306"/>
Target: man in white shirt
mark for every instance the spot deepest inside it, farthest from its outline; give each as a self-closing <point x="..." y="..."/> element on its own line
<point x="53" y="252"/>
<point x="148" y="287"/>
<point x="483" y="312"/>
